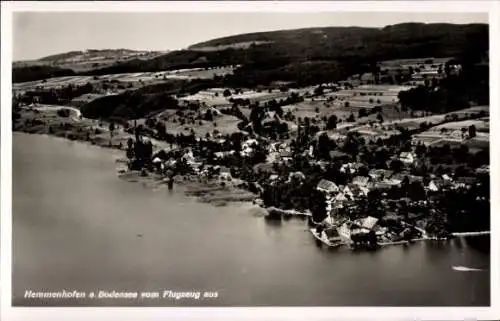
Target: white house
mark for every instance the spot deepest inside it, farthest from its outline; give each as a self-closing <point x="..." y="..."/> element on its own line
<point x="407" y="157"/>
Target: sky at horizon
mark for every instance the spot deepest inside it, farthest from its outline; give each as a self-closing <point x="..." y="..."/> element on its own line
<point x="39" y="34"/>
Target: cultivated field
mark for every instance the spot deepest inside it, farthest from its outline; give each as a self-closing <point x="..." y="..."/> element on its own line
<point x="90" y="59"/>
<point x="176" y="124"/>
<point x="238" y="45"/>
<point x="146" y="77"/>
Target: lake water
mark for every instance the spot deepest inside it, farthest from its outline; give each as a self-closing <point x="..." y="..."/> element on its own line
<point x="76" y="226"/>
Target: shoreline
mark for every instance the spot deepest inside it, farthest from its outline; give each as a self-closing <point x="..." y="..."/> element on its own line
<point x="214" y="194"/>
<point x="209" y="193"/>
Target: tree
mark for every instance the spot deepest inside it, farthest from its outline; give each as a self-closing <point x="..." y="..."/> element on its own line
<point x="420" y="150"/>
<point x="226" y="93"/>
<point x="130" y="148"/>
<point x="208" y="115"/>
<point x="464" y="130"/>
<point x="279" y="111"/>
<point x="111" y="131"/>
<point x="380" y="118"/>
<point x="318" y="91"/>
<point x="351" y="118"/>
<point x="362" y="112"/>
<point x="332" y="122"/>
<point x="472" y="131"/>
<point x="318" y="206"/>
<point x="396" y="165"/>
<point x="323" y="146"/>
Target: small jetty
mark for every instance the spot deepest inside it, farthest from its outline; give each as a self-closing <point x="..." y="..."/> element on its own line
<point x="470" y="233"/>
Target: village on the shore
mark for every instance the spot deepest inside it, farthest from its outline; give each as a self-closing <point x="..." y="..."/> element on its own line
<point x="368" y="161"/>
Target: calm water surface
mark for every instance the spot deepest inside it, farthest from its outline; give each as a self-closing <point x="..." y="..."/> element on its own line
<point x="76" y="226"/>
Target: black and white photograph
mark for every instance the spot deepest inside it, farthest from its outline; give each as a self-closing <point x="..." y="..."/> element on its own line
<point x="249" y="159"/>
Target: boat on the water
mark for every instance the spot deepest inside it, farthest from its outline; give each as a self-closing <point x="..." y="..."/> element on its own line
<point x="465" y="269"/>
<point x="324" y="239"/>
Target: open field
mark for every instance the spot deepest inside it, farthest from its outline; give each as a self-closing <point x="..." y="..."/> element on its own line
<point x="238" y="45"/>
<point x="80" y="61"/>
<point x="126" y="78"/>
<point x="316" y="109"/>
<point x="223" y="124"/>
<point x="366" y="96"/>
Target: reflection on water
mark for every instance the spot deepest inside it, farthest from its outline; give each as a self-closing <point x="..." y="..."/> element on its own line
<point x="77" y="226"/>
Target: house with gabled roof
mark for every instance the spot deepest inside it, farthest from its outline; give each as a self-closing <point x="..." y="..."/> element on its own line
<point x="369" y="222"/>
<point x="340" y="198"/>
<point x="347" y="192"/>
<point x="327" y="187"/>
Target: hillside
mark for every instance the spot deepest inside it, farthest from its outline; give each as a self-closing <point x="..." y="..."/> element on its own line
<point x="89" y="54"/>
<point x="85" y="61"/>
<point x="305" y="56"/>
<point x="289" y="49"/>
